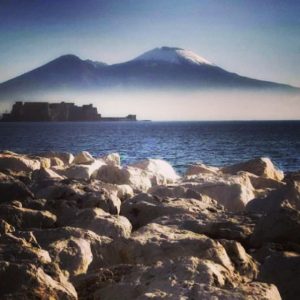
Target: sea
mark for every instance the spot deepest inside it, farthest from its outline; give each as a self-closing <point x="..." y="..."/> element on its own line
<point x="215" y="143"/>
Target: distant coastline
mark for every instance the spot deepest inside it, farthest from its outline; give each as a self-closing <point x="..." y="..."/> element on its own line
<point x="57" y="112"/>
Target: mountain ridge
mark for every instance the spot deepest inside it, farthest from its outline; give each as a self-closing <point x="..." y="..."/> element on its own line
<point x="159" y="68"/>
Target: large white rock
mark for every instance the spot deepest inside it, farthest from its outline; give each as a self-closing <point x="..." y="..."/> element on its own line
<point x="201" y="169"/>
<point x="112" y="159"/>
<point x="100" y="247"/>
<point x="101" y="223"/>
<point x="263" y="183"/>
<point x="162" y="171"/>
<point x="154" y="242"/>
<point x="83" y="157"/>
<point x="45" y="162"/>
<point x="125" y="191"/>
<point x="56" y="162"/>
<point x="233" y="192"/>
<point x="262" y="166"/>
<point x="137" y="178"/>
<point x="83" y="172"/>
<point x="66" y="157"/>
<point x="45" y="174"/>
<point x="18" y="163"/>
<point x="112" y="174"/>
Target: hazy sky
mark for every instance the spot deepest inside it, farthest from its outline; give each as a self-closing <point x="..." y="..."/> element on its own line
<point x="256" y="38"/>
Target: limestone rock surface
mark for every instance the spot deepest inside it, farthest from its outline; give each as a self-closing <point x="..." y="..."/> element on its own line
<point x="18" y="163"/>
<point x="91" y="228"/>
<point x="262" y="166"/>
<point x="83" y="157"/>
<point x="162" y="171"/>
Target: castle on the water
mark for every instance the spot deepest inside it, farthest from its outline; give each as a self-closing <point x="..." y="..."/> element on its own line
<point x="45" y="111"/>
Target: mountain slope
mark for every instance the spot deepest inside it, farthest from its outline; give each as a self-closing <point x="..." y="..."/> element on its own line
<point x="171" y="68"/>
<point x="64" y="72"/>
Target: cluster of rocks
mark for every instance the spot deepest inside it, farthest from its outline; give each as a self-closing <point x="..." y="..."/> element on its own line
<point x="88" y="228"/>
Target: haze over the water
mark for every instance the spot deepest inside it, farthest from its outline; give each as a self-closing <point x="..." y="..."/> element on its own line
<point x="185" y="106"/>
<point x="258" y="39"/>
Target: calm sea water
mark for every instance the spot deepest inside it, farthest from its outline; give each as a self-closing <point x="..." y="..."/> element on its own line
<point x="180" y="143"/>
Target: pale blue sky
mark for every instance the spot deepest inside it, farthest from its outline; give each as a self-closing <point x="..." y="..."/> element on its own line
<point x="256" y="38"/>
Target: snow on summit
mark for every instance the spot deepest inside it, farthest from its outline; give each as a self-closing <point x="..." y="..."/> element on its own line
<point x="172" y="55"/>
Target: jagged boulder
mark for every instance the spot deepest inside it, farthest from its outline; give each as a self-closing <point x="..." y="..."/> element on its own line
<point x="103" y="254"/>
<point x="109" y="202"/>
<point x="27" y="271"/>
<point x="143" y="208"/>
<point x="112" y="159"/>
<point x="124" y="191"/>
<point x="154" y="242"/>
<point x="233" y="192"/>
<point x="137" y="178"/>
<point x="55" y="190"/>
<point x="83" y="171"/>
<point x="56" y="162"/>
<point x="83" y="157"/>
<point x="26" y="218"/>
<point x="262" y="166"/>
<point x="163" y="172"/>
<point x="18" y="163"/>
<point x="63" y="197"/>
<point x="181" y="278"/>
<point x="44" y="174"/>
<point x="243" y="263"/>
<point x="214" y="223"/>
<point x="286" y="194"/>
<point x="73" y="255"/>
<point x="263" y="183"/>
<point x="28" y="281"/>
<point x="22" y="248"/>
<point x="45" y="162"/>
<point x="66" y="157"/>
<point x="196" y="169"/>
<point x="112" y="174"/>
<point x="100" y="222"/>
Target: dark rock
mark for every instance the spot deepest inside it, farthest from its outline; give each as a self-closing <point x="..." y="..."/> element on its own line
<point x="143" y="208"/>
<point x="24" y="218"/>
<point x="13" y="189"/>
<point x="281" y="227"/>
<point x="283" y="270"/>
<point x="27" y="281"/>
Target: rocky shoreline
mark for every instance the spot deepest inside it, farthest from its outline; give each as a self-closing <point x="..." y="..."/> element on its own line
<point x="79" y="227"/>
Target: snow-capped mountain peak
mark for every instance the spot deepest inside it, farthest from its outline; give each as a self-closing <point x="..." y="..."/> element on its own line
<point x="172" y="55"/>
